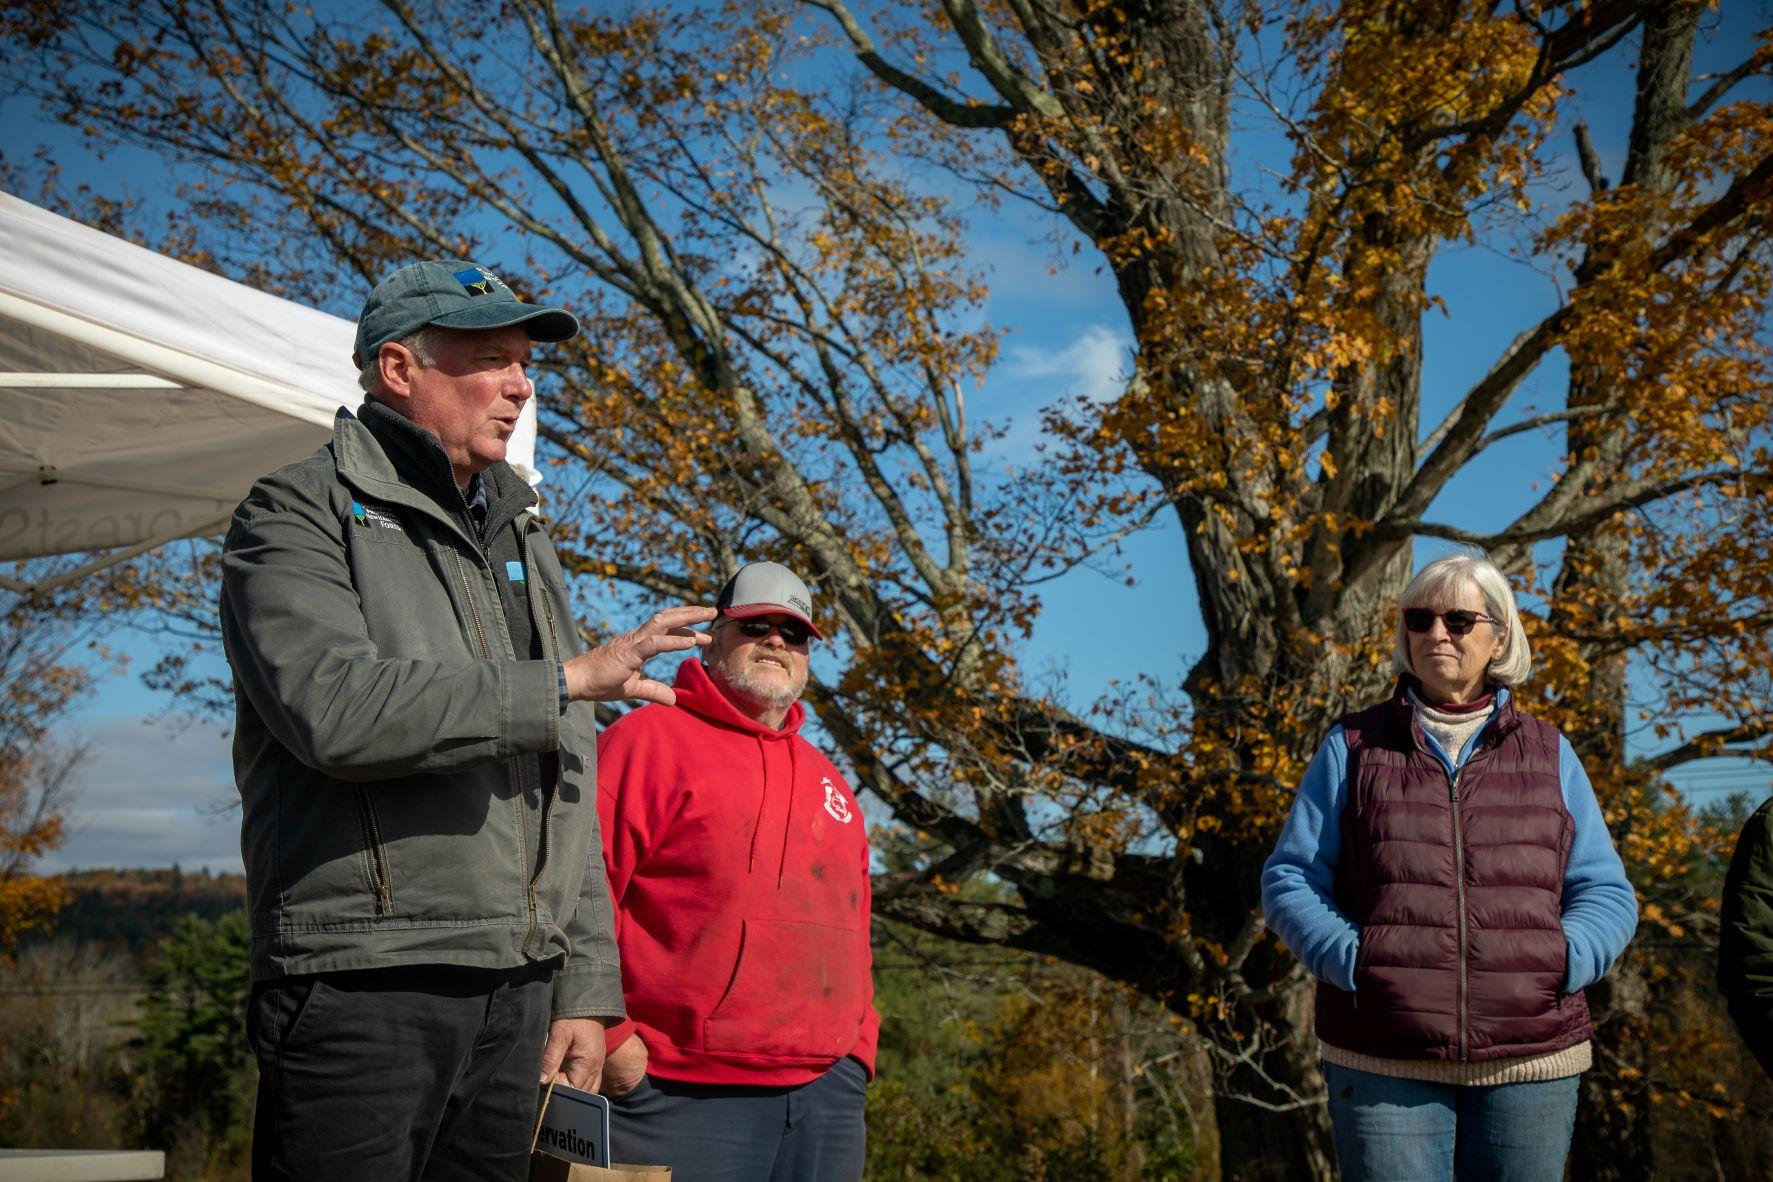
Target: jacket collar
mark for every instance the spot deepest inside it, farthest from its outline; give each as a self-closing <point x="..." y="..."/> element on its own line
<point x="1403" y="709"/>
<point x="363" y="461"/>
<point x="415" y="454"/>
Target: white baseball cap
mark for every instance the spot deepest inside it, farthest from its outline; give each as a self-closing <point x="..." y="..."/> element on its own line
<point x="763" y="588"/>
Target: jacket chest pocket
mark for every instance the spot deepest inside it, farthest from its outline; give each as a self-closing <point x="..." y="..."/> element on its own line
<point x="409" y="610"/>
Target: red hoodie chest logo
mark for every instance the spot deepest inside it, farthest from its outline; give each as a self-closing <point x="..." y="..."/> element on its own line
<point x="835" y="804"/>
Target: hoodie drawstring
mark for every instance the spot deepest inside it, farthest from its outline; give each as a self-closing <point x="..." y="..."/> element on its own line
<point x="788" y="821"/>
<point x="763" y="802"/>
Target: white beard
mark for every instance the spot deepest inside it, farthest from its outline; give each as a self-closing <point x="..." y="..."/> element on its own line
<point x="739" y="675"/>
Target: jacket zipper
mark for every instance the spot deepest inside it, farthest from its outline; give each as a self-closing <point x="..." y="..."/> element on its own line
<point x="473" y="609"/>
<point x="371" y="831"/>
<point x="522" y="787"/>
<point x="1459" y="895"/>
<point x="541" y="865"/>
<point x="529" y="901"/>
<point x="1459" y="882"/>
<point x="548" y="794"/>
<point x="383" y="885"/>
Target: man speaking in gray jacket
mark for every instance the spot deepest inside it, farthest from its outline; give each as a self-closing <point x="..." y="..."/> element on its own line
<point x="415" y="752"/>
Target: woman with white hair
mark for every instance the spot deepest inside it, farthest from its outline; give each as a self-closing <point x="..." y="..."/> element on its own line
<point x="1447" y="876"/>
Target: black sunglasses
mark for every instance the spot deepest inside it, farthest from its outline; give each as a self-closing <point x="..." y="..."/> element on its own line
<point x="793" y="631"/>
<point x="1459" y="621"/>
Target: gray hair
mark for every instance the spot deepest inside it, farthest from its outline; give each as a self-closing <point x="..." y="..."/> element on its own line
<point x="369" y="376"/>
<point x="1438" y="585"/>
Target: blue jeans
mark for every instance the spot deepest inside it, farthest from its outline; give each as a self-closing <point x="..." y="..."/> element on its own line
<point x="711" y="1133"/>
<point x="1410" y="1130"/>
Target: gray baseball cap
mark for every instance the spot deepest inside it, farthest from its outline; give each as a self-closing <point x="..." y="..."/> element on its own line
<point x="450" y="294"/>
<point x="761" y="588"/>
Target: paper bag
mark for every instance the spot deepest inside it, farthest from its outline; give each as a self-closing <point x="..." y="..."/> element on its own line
<point x="545" y="1167"/>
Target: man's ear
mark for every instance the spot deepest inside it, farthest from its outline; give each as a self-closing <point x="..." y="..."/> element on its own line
<point x="396" y="363"/>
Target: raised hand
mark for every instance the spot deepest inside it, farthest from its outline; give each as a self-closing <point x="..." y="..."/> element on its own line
<point x="612" y="670"/>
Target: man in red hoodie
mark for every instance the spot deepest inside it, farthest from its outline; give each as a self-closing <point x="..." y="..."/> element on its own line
<point x="738" y="868"/>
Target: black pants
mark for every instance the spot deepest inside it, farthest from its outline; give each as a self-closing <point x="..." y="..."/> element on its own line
<point x="425" y="1072"/>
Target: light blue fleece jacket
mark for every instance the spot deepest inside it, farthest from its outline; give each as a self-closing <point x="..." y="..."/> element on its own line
<point x="1600" y="909"/>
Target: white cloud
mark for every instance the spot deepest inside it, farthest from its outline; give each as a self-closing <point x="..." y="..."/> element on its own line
<point x="1095" y="364"/>
<point x="151" y="794"/>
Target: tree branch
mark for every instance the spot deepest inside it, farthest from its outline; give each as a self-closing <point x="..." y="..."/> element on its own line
<point x="952" y="111"/>
<point x="1462" y="430"/>
<point x="1711" y="745"/>
<point x="1537" y="421"/>
<point x="1759" y="62"/>
<point x="1582" y="38"/>
<point x="1591" y="161"/>
<point x="1594" y="510"/>
<point x="992" y="62"/>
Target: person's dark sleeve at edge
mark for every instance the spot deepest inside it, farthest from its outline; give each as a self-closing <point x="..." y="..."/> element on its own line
<point x="1745" y="938"/>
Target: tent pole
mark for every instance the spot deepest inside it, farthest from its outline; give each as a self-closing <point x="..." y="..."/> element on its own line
<point x="19" y="478"/>
<point x="52" y="475"/>
<point x="181" y="368"/>
<point x="111" y="558"/>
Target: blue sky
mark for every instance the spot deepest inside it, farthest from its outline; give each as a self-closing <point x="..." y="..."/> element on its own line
<point x="153" y="796"/>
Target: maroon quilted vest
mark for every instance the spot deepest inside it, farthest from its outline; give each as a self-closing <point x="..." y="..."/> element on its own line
<point x="1457" y="891"/>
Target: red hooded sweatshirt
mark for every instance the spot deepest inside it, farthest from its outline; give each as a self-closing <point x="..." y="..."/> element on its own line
<point x="738" y="867"/>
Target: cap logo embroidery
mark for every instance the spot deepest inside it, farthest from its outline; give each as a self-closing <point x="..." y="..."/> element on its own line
<point x="477" y="280"/>
<point x="835" y="804"/>
<point x="800" y="605"/>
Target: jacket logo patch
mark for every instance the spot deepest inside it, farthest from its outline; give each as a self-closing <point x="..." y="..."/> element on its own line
<point x="368" y="515"/>
<point x="514" y="571"/>
<point x="835" y="804"/>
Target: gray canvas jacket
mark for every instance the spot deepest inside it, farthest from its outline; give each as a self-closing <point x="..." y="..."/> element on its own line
<point x="388" y="739"/>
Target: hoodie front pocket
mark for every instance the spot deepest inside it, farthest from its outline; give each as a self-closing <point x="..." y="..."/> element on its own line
<point x="796" y="993"/>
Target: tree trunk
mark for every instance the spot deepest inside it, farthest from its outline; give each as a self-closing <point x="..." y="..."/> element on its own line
<point x="1270" y="1112"/>
<point x="1612" y="1141"/>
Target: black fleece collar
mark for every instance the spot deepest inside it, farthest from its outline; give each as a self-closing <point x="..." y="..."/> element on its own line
<point x="419" y="459"/>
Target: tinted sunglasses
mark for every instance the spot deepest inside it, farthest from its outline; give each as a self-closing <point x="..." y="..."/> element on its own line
<point x="793" y="631"/>
<point x="1459" y="621"/>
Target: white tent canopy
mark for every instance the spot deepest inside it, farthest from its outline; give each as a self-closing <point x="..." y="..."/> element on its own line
<point x="140" y="396"/>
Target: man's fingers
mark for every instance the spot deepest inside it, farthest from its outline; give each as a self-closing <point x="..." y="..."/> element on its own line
<point x="645" y="689"/>
<point x="669" y="642"/>
<point x="678" y="617"/>
<point x="594" y="676"/>
<point x="553" y="1051"/>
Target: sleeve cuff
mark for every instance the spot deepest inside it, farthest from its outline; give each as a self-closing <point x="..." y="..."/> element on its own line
<point x="1577" y="972"/>
<point x="560" y="684"/>
<point x="527" y="692"/>
<point x="593" y="992"/>
<point x="1342" y="971"/>
<point x="617" y="1033"/>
